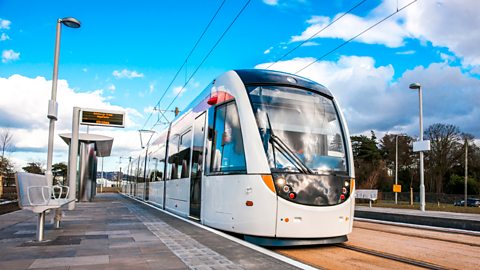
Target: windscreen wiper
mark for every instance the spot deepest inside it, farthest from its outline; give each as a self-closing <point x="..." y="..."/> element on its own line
<point x="284" y="149"/>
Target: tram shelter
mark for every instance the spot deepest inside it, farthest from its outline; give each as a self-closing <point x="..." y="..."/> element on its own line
<point x="91" y="146"/>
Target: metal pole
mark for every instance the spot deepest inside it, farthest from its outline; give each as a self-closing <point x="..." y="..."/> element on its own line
<point x="422" y="184"/>
<point x="466" y="171"/>
<point x="103" y="180"/>
<point x="396" y="167"/>
<point x="72" y="159"/>
<point x="40" y="226"/>
<point x="52" y="105"/>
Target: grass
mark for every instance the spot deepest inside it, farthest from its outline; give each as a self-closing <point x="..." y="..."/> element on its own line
<point x="428" y="207"/>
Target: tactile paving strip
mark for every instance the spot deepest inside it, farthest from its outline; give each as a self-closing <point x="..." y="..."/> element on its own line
<point x="194" y="254"/>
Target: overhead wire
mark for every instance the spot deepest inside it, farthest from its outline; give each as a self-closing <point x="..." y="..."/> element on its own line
<point x="181" y="67"/>
<point x="318" y="32"/>
<point x="209" y="53"/>
<point x="359" y="34"/>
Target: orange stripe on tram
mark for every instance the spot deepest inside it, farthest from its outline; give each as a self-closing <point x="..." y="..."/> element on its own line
<point x="268" y="180"/>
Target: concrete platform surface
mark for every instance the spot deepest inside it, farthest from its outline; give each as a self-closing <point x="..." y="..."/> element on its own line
<point x="114" y="232"/>
<point x="461" y="221"/>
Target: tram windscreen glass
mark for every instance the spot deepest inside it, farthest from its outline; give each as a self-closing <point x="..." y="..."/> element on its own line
<point x="304" y="124"/>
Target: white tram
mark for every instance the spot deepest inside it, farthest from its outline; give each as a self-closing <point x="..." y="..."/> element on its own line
<point x="261" y="153"/>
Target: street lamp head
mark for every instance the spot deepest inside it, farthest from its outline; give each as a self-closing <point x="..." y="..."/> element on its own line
<point x="415" y="86"/>
<point x="70" y="22"/>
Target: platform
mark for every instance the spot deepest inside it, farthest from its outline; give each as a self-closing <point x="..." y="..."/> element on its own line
<point x="115" y="232"/>
<point x="461" y="221"/>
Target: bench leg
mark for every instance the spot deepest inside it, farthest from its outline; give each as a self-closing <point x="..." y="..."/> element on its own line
<point x="40" y="226"/>
<point x="58" y="217"/>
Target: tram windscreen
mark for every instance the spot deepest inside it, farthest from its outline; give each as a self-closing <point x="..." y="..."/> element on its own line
<point x="300" y="130"/>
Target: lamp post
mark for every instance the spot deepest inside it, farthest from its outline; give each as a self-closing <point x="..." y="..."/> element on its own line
<point x="52" y="103"/>
<point x="396" y="167"/>
<point x="416" y="86"/>
<point x="466" y="173"/>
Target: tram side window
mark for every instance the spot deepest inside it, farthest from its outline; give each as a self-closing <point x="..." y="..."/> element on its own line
<point x="227" y="147"/>
<point x="172" y="169"/>
<point x="156" y="165"/>
<point x="179" y="156"/>
<point x="184" y="154"/>
<point x="140" y="172"/>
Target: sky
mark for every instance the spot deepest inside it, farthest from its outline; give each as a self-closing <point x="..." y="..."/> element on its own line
<point x="126" y="54"/>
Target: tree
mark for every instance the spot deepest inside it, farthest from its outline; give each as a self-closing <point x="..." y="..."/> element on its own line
<point x="6" y="141"/>
<point x="446" y="150"/>
<point x="59" y="170"/>
<point x="407" y="161"/>
<point x="6" y="167"/>
<point x="369" y="166"/>
<point x="34" y="167"/>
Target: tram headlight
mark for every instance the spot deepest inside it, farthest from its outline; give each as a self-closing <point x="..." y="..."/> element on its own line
<point x="281" y="181"/>
<point x="346" y="183"/>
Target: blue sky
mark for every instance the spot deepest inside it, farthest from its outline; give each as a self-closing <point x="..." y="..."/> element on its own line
<point x="126" y="53"/>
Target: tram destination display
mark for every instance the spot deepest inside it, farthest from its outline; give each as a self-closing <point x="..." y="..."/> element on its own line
<point x="102" y="118"/>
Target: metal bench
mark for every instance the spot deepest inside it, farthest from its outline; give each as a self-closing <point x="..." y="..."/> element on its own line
<point x="36" y="195"/>
<point x="369" y="194"/>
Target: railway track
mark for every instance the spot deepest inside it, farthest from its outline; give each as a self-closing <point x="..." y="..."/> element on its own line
<point x="380" y="246"/>
<point x="392" y="257"/>
<point x="358" y="225"/>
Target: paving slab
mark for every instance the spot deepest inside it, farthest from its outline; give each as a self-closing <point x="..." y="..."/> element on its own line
<point x="115" y="232"/>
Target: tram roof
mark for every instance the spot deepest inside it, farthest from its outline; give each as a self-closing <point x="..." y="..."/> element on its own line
<point x="262" y="76"/>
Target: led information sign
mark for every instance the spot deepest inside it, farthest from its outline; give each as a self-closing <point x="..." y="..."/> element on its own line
<point x="102" y="118"/>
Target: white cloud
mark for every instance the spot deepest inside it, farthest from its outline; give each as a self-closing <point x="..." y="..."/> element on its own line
<point x="443" y="23"/>
<point x="406" y="52"/>
<point x="4" y="37"/>
<point x="447" y="58"/>
<point x="149" y="109"/>
<point x="389" y="33"/>
<point x="179" y="90"/>
<point x="30" y="125"/>
<point x="271" y="2"/>
<point x="9" y="56"/>
<point x="125" y="73"/>
<point x="151" y="87"/>
<point x="112" y="87"/>
<point x="4" y="24"/>
<point x="267" y="51"/>
<point x="310" y="44"/>
<point x="372" y="100"/>
<point x="85" y="69"/>
<point x="451" y="24"/>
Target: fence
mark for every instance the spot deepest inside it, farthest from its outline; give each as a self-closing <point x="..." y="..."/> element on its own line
<point x="429" y="197"/>
<point x="8" y="190"/>
<point x="8" y="195"/>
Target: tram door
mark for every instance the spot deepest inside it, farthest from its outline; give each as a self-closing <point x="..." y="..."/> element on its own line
<point x="197" y="166"/>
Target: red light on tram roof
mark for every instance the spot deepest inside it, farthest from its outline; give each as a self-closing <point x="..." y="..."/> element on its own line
<point x="212" y="100"/>
<point x="249" y="203"/>
<point x="342" y="197"/>
<point x="292" y="195"/>
<point x="219" y="97"/>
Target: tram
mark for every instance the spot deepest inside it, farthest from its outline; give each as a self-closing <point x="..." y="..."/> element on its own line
<point x="260" y="153"/>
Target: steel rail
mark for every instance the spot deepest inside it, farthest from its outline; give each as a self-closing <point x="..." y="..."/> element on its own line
<point x="392" y="257"/>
